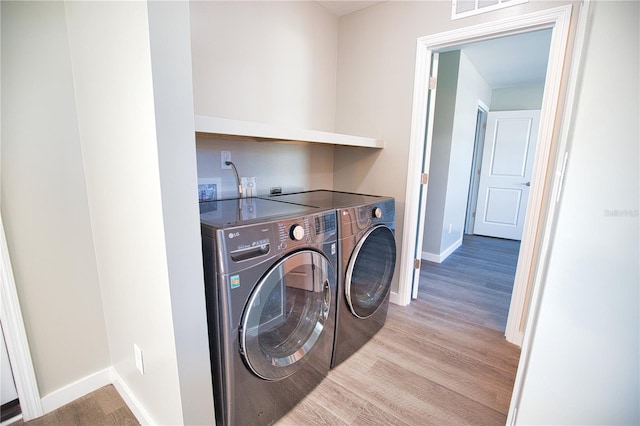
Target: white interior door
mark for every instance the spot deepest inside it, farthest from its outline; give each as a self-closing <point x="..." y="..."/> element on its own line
<point x="430" y="113"/>
<point x="505" y="177"/>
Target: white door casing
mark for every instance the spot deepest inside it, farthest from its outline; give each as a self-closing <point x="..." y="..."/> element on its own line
<point x="505" y="179"/>
<point x="16" y="337"/>
<point x="558" y="19"/>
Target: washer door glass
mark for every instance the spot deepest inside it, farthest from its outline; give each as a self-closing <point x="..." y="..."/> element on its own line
<point x="370" y="271"/>
<point x="286" y="315"/>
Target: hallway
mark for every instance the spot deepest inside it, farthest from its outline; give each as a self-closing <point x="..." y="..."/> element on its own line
<point x="474" y="283"/>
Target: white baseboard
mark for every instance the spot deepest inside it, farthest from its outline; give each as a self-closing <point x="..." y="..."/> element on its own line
<point x="93" y="382"/>
<point x="394" y="298"/>
<point x="439" y="258"/>
<point x="129" y="398"/>
<point x="75" y="390"/>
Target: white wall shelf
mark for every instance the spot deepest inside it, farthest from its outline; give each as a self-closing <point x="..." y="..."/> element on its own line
<point x="236" y="129"/>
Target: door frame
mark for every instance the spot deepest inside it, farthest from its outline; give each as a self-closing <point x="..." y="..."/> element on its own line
<point x="558" y="19"/>
<point x="16" y="337"/>
<point x="478" y="145"/>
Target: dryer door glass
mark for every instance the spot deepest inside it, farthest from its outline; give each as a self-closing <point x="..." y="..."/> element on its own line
<point x="370" y="270"/>
<point x="286" y="315"/>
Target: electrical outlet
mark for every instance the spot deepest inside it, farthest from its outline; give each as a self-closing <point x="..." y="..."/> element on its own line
<point x="224" y="157"/>
<point x="138" y="355"/>
<point x="249" y="186"/>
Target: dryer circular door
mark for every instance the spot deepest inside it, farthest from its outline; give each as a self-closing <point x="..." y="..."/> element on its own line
<point x="370" y="270"/>
<point x="286" y="315"/>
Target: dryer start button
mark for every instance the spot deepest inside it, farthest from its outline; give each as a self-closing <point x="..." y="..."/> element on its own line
<point x="296" y="232"/>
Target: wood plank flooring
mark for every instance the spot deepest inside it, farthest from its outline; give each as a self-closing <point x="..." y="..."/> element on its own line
<point x="440" y="361"/>
<point x="103" y="407"/>
<point x="475" y="282"/>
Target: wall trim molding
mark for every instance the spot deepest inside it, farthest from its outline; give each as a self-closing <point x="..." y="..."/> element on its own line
<point x="93" y="382"/>
<point x="440" y="257"/>
<point x="75" y="390"/>
<point x="136" y="407"/>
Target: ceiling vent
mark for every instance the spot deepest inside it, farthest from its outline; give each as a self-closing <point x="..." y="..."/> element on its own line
<point x="464" y="8"/>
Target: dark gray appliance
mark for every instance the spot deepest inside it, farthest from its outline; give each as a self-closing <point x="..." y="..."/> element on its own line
<point x="270" y="285"/>
<point x="367" y="257"/>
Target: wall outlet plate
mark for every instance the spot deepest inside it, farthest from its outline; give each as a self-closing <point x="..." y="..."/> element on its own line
<point x="224" y="157"/>
<point x="249" y="186"/>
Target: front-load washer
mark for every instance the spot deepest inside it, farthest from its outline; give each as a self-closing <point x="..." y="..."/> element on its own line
<point x="367" y="257"/>
<point x="270" y="285"/>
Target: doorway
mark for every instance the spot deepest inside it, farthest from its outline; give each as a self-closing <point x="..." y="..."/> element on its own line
<point x="476" y="164"/>
<point x="557" y="20"/>
<point x="469" y="78"/>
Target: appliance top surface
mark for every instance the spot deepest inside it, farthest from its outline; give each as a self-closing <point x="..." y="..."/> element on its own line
<point x="234" y="212"/>
<point x="329" y="199"/>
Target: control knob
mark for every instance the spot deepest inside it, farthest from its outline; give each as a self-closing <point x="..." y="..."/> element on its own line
<point x="377" y="213"/>
<point x="296" y="232"/>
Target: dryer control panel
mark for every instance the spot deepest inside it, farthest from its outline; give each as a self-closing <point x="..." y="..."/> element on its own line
<point x="312" y="229"/>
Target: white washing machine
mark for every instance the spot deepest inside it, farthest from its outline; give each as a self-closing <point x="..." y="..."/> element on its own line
<point x="367" y="258"/>
<point x="270" y="285"/>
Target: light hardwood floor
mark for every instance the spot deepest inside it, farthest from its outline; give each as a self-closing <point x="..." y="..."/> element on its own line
<point x="435" y="362"/>
<point x="103" y="407"/>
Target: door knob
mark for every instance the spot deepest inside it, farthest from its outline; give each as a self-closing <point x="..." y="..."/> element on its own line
<point x="526" y="183"/>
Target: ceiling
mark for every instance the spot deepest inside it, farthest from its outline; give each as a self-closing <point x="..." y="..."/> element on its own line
<point x="510" y="61"/>
<point x="345" y="7"/>
<point x="518" y="60"/>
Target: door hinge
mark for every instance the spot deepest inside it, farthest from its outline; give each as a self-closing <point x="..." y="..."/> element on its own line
<point x="424" y="178"/>
<point x="416" y="264"/>
<point x="432" y="83"/>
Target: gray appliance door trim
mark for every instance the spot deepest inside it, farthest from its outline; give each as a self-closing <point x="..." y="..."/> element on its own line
<point x="286" y="315"/>
<point x="370" y="271"/>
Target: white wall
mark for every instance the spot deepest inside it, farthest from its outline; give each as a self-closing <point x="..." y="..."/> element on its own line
<point x="291" y="166"/>
<point x="173" y="98"/>
<point x="517" y="98"/>
<point x="272" y="62"/>
<point x="112" y="70"/>
<point x="471" y="89"/>
<point x="452" y="153"/>
<point x="99" y="199"/>
<point x="584" y="365"/>
<point x="265" y="61"/>
<point x="44" y="198"/>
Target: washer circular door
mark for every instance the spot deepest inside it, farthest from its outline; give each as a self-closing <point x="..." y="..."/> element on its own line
<point x="370" y="270"/>
<point x="286" y="315"/>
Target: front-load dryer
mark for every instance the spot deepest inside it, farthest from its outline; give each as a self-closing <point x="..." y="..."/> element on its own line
<point x="367" y="257"/>
<point x="270" y="285"/>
